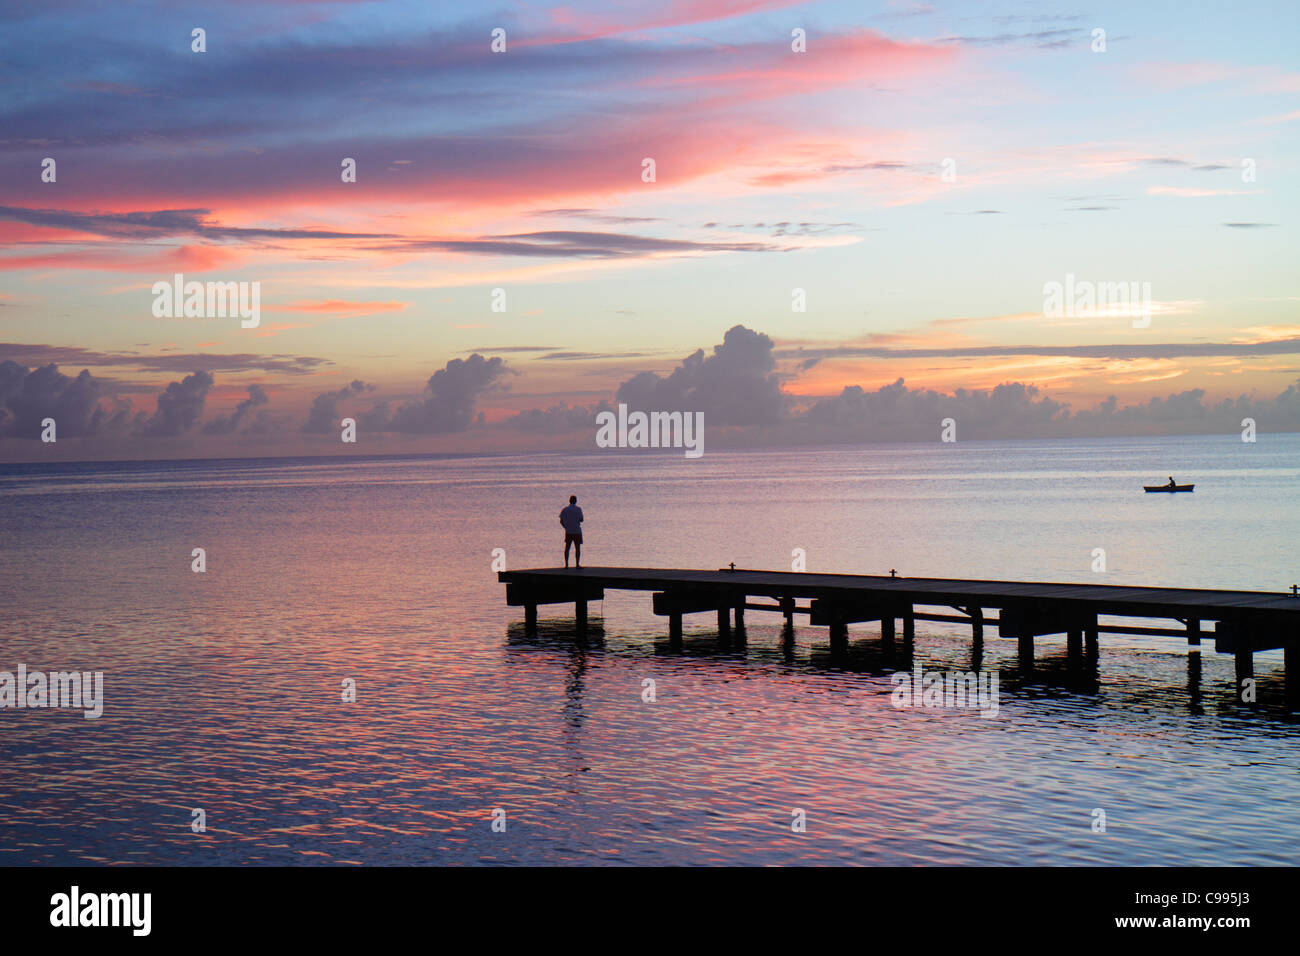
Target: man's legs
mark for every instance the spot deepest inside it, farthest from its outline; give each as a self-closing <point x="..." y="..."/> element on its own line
<point x="567" y="541"/>
<point x="577" y="553"/>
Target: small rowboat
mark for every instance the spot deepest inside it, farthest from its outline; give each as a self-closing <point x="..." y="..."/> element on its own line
<point x="1168" y="487"/>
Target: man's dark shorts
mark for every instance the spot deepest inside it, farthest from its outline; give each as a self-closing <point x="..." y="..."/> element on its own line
<point x="575" y="538"/>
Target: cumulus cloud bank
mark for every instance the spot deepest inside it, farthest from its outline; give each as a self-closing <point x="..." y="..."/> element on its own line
<point x="558" y="419"/>
<point x="736" y="385"/>
<point x="448" y="405"/>
<point x="452" y="392"/>
<point x="27" y="397"/>
<point x="180" y="406"/>
<point x="226" y="424"/>
<point x="324" y="413"/>
<point x="897" y="413"/>
<point x="82" y="408"/>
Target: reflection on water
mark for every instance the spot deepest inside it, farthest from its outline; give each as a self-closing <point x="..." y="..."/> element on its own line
<point x="223" y="689"/>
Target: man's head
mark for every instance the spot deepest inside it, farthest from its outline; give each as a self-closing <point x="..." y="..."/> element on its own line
<point x="573" y="499"/>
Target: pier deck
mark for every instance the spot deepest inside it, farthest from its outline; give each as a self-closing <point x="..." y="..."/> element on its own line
<point x="1244" y="621"/>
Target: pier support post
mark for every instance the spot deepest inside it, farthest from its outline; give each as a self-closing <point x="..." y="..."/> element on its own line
<point x="1291" y="674"/>
<point x="1074" y="644"/>
<point x="1244" y="659"/>
<point x="580" y="615"/>
<point x="724" y="622"/>
<point x="1193" y="632"/>
<point x="909" y="631"/>
<point x="740" y="619"/>
<point x="887" y="634"/>
<point x="839" y="636"/>
<point x="530" y="618"/>
<point x="675" y="629"/>
<point x="1090" y="641"/>
<point x="1025" y="650"/>
<point x="787" y="629"/>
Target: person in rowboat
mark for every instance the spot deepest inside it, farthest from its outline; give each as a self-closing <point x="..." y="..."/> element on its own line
<point x="1172" y="484"/>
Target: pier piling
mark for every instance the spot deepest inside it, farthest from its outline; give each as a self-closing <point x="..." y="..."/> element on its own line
<point x="1025" y="650"/>
<point x="1194" y="677"/>
<point x="1244" y="663"/>
<point x="1291" y="675"/>
<point x="839" y="634"/>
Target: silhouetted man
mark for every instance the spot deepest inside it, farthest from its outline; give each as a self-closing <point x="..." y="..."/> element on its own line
<point x="571" y="518"/>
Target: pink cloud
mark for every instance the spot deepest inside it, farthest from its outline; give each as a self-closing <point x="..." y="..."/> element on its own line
<point x="180" y="259"/>
<point x="577" y="25"/>
<point x="1258" y="79"/>
<point x="840" y="59"/>
<point x="343" y="309"/>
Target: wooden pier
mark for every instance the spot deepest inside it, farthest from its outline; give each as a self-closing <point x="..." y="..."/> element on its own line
<point x="1243" y="621"/>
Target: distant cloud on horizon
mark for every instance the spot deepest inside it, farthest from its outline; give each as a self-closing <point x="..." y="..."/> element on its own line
<point x="736" y="386"/>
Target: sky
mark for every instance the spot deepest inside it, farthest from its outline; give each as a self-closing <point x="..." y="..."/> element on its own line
<point x="855" y="215"/>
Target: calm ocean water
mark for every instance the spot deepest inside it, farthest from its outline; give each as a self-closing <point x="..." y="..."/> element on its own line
<point x="223" y="689"/>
